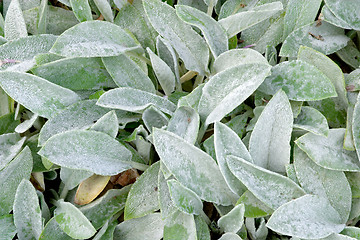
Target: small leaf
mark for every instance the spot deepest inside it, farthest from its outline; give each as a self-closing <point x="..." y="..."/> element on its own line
<point x="27" y="214"/>
<point x="14" y="26"/>
<point x="87" y="150"/>
<point x="72" y="221"/>
<point x="53" y="231"/>
<point x="108" y="124"/>
<point x="94" y="39"/>
<point x="328" y="151"/>
<point x="269" y="143"/>
<point x="192" y="167"/>
<point x="167" y="207"/>
<point x="180" y="226"/>
<point x="312" y="120"/>
<point x="232" y="221"/>
<point x="143" y="195"/>
<point x="300" y="81"/>
<point x="230" y="236"/>
<point x="215" y="35"/>
<point x="134" y="100"/>
<point x="105" y="9"/>
<point x="167" y="53"/>
<point x="271" y="188"/>
<point x="153" y="117"/>
<point x="37" y="94"/>
<point x="254" y="208"/>
<point x="346" y="11"/>
<point x="8" y="229"/>
<point x="81" y="9"/>
<point x="10" y="145"/>
<point x="73" y="177"/>
<point x="307" y="217"/>
<point x="202" y="229"/>
<point x="90" y="188"/>
<point x="184" y="199"/>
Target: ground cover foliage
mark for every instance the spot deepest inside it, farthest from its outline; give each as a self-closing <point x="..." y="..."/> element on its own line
<point x="188" y="119"/>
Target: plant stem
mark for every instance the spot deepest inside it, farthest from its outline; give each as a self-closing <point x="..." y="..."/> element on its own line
<point x="205" y="217"/>
<point x="139" y="166"/>
<point x="64" y="192"/>
<point x="210" y="7"/>
<point x="188" y="76"/>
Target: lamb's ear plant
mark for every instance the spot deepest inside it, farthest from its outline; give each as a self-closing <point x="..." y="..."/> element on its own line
<point x="198" y="120"/>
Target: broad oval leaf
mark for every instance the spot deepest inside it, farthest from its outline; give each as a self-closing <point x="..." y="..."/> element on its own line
<point x="27" y="213"/>
<point x="308" y="217"/>
<point x="269" y="144"/>
<point x="143" y="195"/>
<point x="312" y="120"/>
<point x="228" y="89"/>
<point x="134" y="100"/>
<point x="215" y="35"/>
<point x="8" y="229"/>
<point x="88" y="150"/>
<point x="192" y="48"/>
<point x="53" y="231"/>
<point x="90" y="188"/>
<point x="325" y="38"/>
<point x="326" y="183"/>
<point x="328" y="152"/>
<point x="299" y="80"/>
<point x="82" y="10"/>
<point x="10" y="145"/>
<point x="94" y="39"/>
<point x="37" y="94"/>
<point x="72" y="221"/>
<point x="184" y="199"/>
<point x="334" y="20"/>
<point x="192" y="167"/>
<point x="271" y="188"/>
<point x="233" y="220"/>
<point x="347" y="11"/>
<point x="180" y="226"/>
<point x="14" y="26"/>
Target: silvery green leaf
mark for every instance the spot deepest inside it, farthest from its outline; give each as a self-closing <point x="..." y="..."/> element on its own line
<point x="192" y="49"/>
<point x="308" y="217"/>
<point x="219" y="93"/>
<point x="43" y="11"/>
<point x="27" y="124"/>
<point x="233" y="221"/>
<point x="105" y="9"/>
<point x="14" y="26"/>
<point x="153" y="117"/>
<point x="299" y="80"/>
<point x="88" y="150"/>
<point x="230" y="236"/>
<point x="334" y="20"/>
<point x="192" y="167"/>
<point x="7" y="122"/>
<point x="37" y="94"/>
<point x="10" y="145"/>
<point x="353" y="80"/>
<point x="180" y="226"/>
<point x="134" y="100"/>
<point x="356" y="125"/>
<point x="80" y="73"/>
<point x="354" y="181"/>
<point x="355" y="209"/>
<point x="108" y="124"/>
<point x="350" y="55"/>
<point x="215" y="35"/>
<point x="73" y="177"/>
<point x="163" y="73"/>
<point x="149" y="227"/>
<point x="326" y="183"/>
<point x="107" y="231"/>
<point x="231" y="7"/>
<point x="94" y="39"/>
<point x="82" y="10"/>
<point x="243" y="20"/>
<point x="53" y="231"/>
<point x="167" y="207"/>
<point x="351" y="232"/>
<point x="261" y="182"/>
<point x="202" y="229"/>
<point x="256" y="230"/>
<point x="347" y="11"/>
<point x="126" y="73"/>
<point x="192" y="99"/>
<point x="290" y="173"/>
<point x="27" y="214"/>
<point x="312" y="120"/>
<point x="112" y="202"/>
<point x="72" y="221"/>
<point x="185" y="122"/>
<point x="143" y="195"/>
<point x="325" y="38"/>
<point x="200" y="5"/>
<point x="11" y="176"/>
<point x="8" y="229"/>
<point x="184" y="198"/>
<point x="254" y="208"/>
<point x="300" y="13"/>
<point x="328" y="152"/>
<point x="227" y="142"/>
<point x="269" y="144"/>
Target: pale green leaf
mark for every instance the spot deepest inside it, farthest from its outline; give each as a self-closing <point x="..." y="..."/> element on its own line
<point x="254" y="208"/>
<point x="153" y="117"/>
<point x="7" y="122"/>
<point x="53" y="231"/>
<point x="243" y="20"/>
<point x="167" y="53"/>
<point x="167" y="207"/>
<point x="108" y="124"/>
<point x="329" y="17"/>
<point x="269" y="143"/>
<point x="126" y="73"/>
<point x="88" y="150"/>
<point x="312" y="120"/>
<point x="94" y="39"/>
<point x="233" y="221"/>
<point x="143" y="195"/>
<point x="73" y="177"/>
<point x="326" y="183"/>
<point x="350" y="55"/>
<point x="107" y="231"/>
<point x="300" y="81"/>
<point x="43" y="12"/>
<point x="348" y="11"/>
<point x="180" y="226"/>
<point x="328" y="152"/>
<point x="82" y="10"/>
<point x="37" y="94"/>
<point x="11" y="176"/>
<point x="27" y="214"/>
<point x="10" y="145"/>
<point x="72" y="221"/>
<point x="192" y="49"/>
<point x="27" y="124"/>
<point x="230" y="236"/>
<point x="271" y="188"/>
<point x="215" y="35"/>
<point x="8" y="229"/>
<point x="134" y="100"/>
<point x="231" y="7"/>
<point x="14" y="26"/>
<point x="354" y="181"/>
<point x="202" y="229"/>
<point x="200" y="5"/>
<point x="351" y="231"/>
<point x="105" y="9"/>
<point x="192" y="167"/>
<point x="325" y="38"/>
<point x="356" y="126"/>
<point x="308" y="217"/>
<point x="149" y="227"/>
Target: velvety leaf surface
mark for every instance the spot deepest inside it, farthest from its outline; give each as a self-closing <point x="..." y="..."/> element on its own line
<point x="10" y="145"/>
<point x="312" y="120"/>
<point x="53" y="231"/>
<point x="14" y="26"/>
<point x="233" y="221"/>
<point x="180" y="226"/>
<point x="8" y="229"/>
<point x="81" y="9"/>
<point x="346" y="11"/>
